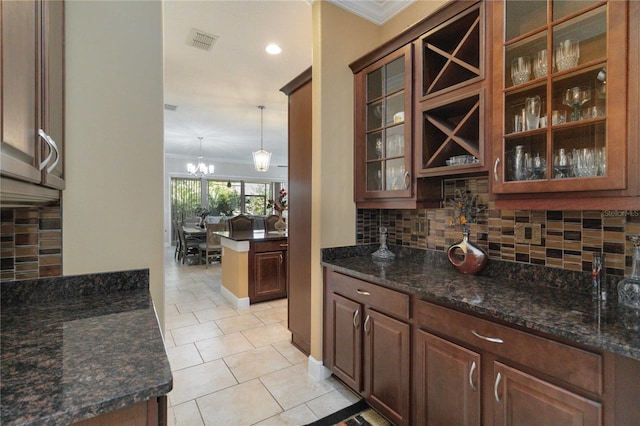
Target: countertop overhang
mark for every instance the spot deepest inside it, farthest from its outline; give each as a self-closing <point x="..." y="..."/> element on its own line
<point x="77" y="347"/>
<point x="526" y="303"/>
<point x="252" y="235"/>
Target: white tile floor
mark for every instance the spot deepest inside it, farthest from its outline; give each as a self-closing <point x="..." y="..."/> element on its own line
<point x="236" y="367"/>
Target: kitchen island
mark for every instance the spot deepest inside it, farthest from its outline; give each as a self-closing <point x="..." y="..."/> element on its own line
<point x="84" y="349"/>
<point x="254" y="266"/>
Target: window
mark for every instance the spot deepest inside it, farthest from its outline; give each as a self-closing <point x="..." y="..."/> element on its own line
<point x="255" y="197"/>
<point x="224" y="197"/>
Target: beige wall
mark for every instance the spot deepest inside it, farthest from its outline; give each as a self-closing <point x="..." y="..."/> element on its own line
<point x="112" y="209"/>
<point x="339" y="38"/>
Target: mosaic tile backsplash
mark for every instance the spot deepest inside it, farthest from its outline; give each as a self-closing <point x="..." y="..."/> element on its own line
<point x="568" y="239"/>
<point x="31" y="243"/>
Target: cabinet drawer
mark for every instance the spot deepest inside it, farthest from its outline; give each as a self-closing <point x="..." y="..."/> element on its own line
<point x="569" y="364"/>
<point x="275" y="245"/>
<point x="380" y="298"/>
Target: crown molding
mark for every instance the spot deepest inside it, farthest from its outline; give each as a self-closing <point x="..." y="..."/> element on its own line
<point x="376" y="11"/>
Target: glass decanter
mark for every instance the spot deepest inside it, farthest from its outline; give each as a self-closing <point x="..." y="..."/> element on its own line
<point x="383" y="252"/>
<point x="629" y="287"/>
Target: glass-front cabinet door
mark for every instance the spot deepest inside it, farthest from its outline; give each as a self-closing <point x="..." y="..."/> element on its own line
<point x="383" y="128"/>
<point x="560" y="101"/>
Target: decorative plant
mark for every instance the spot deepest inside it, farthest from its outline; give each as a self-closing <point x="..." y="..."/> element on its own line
<point x="281" y="203"/>
<point x="465" y="208"/>
<point x="202" y="212"/>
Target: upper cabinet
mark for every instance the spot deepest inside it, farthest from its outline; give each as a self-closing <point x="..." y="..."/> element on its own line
<point x="560" y="99"/>
<point x="450" y="109"/>
<point x="383" y="135"/>
<point x="419" y="109"/>
<point x="32" y="97"/>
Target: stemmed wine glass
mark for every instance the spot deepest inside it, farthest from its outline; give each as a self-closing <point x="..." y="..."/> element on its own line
<point x="575" y="98"/>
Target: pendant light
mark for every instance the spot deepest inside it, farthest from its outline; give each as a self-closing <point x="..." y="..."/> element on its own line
<point x="201" y="169"/>
<point x="261" y="158"/>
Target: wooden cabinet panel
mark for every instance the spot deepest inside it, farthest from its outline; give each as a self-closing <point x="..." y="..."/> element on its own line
<point x="447" y="382"/>
<point x="299" y="219"/>
<point x="32" y="101"/>
<point x="346" y="348"/>
<point x="387" y="366"/>
<point x="574" y="366"/>
<point x="20" y="89"/>
<point x="521" y="399"/>
<point x="385" y="300"/>
<point x="269" y="276"/>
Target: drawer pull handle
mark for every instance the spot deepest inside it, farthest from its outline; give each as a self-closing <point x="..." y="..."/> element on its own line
<point x="366" y="321"/>
<point x="473" y="369"/>
<point x="362" y="292"/>
<point x="355" y="318"/>
<point x="284" y="245"/>
<point x="495" y="169"/>
<point x="488" y="339"/>
<point x="495" y="388"/>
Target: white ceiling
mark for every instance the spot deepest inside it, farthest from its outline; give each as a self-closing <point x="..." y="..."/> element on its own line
<point x="217" y="92"/>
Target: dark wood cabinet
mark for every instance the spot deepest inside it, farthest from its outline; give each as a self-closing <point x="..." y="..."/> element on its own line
<point x="523" y="399"/>
<point x="267" y="270"/>
<point x="447" y="382"/>
<point x="367" y="343"/>
<point x="579" y="62"/>
<point x="299" y="219"/>
<point x="32" y="97"/>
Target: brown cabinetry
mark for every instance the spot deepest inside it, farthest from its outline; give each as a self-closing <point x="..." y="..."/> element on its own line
<point x="299" y="219"/>
<point x="32" y="97"/>
<point x="450" y="107"/>
<point x="367" y="342"/>
<point x="561" y="102"/>
<point x="499" y="371"/>
<point x="267" y="270"/>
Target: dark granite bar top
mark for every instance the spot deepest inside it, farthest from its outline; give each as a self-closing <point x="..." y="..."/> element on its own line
<point x="77" y="347"/>
<point x="536" y="298"/>
<point x="253" y="235"/>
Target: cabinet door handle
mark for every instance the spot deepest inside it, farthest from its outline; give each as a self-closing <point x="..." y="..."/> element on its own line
<point x="355" y="318"/>
<point x="281" y="259"/>
<point x="495" y="169"/>
<point x="407" y="180"/>
<point x="46" y="161"/>
<point x="488" y="339"/>
<point x="362" y="292"/>
<point x="366" y="321"/>
<point x="284" y="245"/>
<point x="495" y="388"/>
<point x="471" y="371"/>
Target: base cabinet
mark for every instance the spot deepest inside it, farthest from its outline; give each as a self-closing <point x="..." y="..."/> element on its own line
<point x="366" y="348"/>
<point x="447" y="382"/>
<point x="522" y="399"/>
<point x="267" y="270"/>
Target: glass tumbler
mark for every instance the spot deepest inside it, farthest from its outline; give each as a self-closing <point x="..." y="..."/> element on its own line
<point x="520" y="70"/>
<point x="567" y="54"/>
<point x="532" y="112"/>
<point x="540" y="64"/>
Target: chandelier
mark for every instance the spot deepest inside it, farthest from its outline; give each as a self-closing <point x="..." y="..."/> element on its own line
<point x="201" y="169"/>
<point x="261" y="157"/>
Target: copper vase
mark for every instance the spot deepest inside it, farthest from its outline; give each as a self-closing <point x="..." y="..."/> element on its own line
<point x="472" y="259"/>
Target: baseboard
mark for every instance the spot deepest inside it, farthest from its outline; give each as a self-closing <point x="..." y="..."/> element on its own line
<point x="237" y="302"/>
<point x="317" y="370"/>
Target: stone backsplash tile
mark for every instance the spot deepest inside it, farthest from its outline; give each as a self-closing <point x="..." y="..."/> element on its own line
<point x="30" y="243"/>
<point x="568" y="238"/>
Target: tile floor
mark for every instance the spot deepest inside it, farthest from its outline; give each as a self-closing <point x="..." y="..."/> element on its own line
<point x="236" y="367"/>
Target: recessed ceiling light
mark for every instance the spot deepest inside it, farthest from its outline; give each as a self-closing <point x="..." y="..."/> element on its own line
<point x="273" y="49"/>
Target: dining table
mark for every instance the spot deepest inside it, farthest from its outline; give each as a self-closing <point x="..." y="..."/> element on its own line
<point x="194" y="231"/>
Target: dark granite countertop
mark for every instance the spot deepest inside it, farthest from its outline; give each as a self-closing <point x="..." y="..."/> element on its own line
<point x="77" y="347"/>
<point x="532" y="298"/>
<point x="253" y="235"/>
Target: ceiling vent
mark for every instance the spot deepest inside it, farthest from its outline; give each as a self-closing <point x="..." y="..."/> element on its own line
<point x="201" y="40"/>
<point x="170" y="107"/>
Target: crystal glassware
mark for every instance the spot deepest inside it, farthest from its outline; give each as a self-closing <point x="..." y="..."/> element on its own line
<point x="520" y="70"/>
<point x="629" y="287"/>
<point x="567" y="54"/>
<point x="575" y="98"/>
<point x="540" y="64"/>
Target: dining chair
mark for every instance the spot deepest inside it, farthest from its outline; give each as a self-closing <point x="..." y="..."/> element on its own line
<point x="240" y="223"/>
<point x="187" y="246"/>
<point x="212" y="247"/>
<point x="270" y="221"/>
